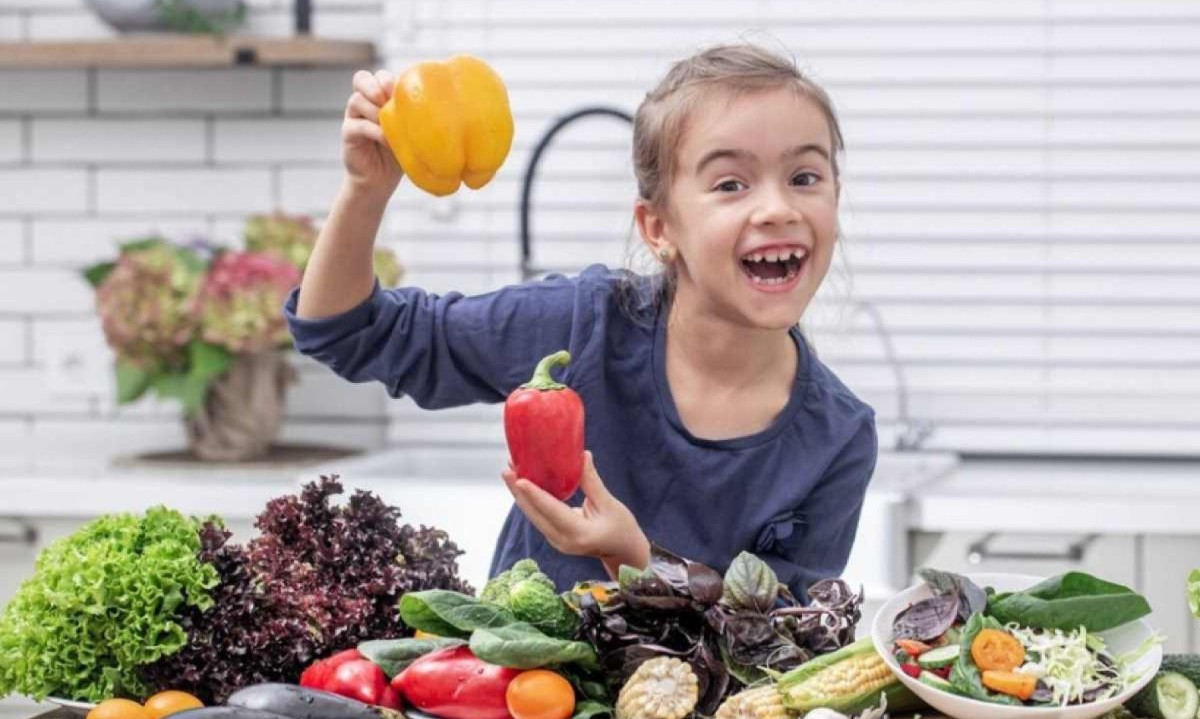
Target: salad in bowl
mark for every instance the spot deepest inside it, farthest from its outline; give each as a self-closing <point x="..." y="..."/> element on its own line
<point x="1008" y="645"/>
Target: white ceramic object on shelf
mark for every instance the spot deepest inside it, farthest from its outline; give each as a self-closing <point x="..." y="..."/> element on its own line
<point x="147" y="16"/>
<point x="1121" y="640"/>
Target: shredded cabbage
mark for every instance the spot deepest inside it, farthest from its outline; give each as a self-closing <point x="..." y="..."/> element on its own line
<point x="1075" y="666"/>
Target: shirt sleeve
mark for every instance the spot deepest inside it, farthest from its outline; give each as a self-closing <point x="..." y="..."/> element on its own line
<point x="448" y="350"/>
<point x="813" y="541"/>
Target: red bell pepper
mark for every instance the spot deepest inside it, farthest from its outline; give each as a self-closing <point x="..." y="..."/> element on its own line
<point x="351" y="675"/>
<point x="453" y="683"/>
<point x="316" y="676"/>
<point x="543" y="424"/>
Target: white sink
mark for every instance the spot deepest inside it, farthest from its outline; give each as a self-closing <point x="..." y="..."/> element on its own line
<point x="459" y="490"/>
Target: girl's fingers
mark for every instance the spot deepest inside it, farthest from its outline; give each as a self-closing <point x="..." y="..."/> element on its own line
<point x="356" y="129"/>
<point x="551" y="514"/>
<point x="366" y="83"/>
<point x="386" y="81"/>
<point x="359" y="106"/>
<point x="591" y="484"/>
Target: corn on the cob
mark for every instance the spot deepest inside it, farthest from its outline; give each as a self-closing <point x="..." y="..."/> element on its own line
<point x="759" y="703"/>
<point x="661" y="688"/>
<point x="850" y="680"/>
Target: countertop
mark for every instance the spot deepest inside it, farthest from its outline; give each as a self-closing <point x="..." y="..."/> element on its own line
<point x="1046" y="494"/>
<point x="935" y="491"/>
<point x="56" y="487"/>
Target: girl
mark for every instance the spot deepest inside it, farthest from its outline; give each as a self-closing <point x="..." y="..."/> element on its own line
<point x="714" y="425"/>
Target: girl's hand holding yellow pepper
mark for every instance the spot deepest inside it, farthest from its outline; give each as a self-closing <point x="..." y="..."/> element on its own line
<point x="369" y="163"/>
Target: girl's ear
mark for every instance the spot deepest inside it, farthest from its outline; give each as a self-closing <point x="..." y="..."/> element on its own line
<point x="651" y="225"/>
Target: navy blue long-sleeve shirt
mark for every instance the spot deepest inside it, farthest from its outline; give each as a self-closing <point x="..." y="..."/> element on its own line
<point x="791" y="493"/>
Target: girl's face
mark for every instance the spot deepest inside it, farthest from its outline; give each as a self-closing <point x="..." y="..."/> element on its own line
<point x="752" y="208"/>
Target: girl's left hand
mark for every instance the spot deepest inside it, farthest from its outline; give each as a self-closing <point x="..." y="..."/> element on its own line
<point x="602" y="527"/>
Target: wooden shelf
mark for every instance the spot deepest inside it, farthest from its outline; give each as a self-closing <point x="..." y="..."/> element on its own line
<point x="187" y="51"/>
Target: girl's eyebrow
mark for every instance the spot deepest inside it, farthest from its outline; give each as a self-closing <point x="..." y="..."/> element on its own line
<point x="746" y="155"/>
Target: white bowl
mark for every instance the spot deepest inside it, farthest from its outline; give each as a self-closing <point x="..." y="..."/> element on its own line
<point x="1126" y="638"/>
<point x="76" y="708"/>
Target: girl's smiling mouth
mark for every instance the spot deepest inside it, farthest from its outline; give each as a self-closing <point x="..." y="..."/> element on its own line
<point x="775" y="269"/>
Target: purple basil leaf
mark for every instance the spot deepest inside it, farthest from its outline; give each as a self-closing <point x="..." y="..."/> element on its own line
<point x="928" y="619"/>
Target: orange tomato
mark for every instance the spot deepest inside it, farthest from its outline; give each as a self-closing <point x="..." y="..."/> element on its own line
<point x="169" y="702"/>
<point x="118" y="709"/>
<point x="540" y="694"/>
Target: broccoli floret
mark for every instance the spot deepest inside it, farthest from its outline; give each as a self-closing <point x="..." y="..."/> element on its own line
<point x="532" y="597"/>
<point x="537" y="602"/>
<point x="497" y="590"/>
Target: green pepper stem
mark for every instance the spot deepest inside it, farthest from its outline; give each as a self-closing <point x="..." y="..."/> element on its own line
<point x="541" y="374"/>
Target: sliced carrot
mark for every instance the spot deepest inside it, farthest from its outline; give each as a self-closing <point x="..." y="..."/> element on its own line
<point x="912" y="647"/>
<point x="994" y="649"/>
<point x="1014" y="684"/>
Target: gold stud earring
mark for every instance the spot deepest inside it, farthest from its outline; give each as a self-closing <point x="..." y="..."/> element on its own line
<point x="664" y="254"/>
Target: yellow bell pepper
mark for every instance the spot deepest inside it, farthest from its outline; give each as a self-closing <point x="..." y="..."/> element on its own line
<point x="448" y="123"/>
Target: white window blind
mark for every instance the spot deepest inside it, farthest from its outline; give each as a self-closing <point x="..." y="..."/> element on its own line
<point x="1021" y="195"/>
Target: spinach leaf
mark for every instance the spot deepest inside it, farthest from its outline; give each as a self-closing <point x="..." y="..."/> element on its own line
<point x="965" y="677"/>
<point x="450" y="614"/>
<point x="589" y="709"/>
<point x="523" y="646"/>
<point x="393" y="655"/>
<point x="1068" y="602"/>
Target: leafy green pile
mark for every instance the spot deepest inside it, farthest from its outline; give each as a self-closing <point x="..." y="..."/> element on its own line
<point x="102" y="603"/>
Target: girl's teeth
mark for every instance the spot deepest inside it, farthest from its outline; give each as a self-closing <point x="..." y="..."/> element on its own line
<point x="772" y="256"/>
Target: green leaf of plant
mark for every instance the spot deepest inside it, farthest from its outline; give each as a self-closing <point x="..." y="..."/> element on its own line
<point x="190" y="391"/>
<point x="522" y="646"/>
<point x="589" y="709"/>
<point x="96" y="274"/>
<point x="132" y="382"/>
<point x="965" y="677"/>
<point x="393" y="655"/>
<point x="450" y="614"/>
<point x="1069" y="601"/>
<point x="751" y="584"/>
<point x="208" y="361"/>
<point x="143" y="243"/>
<point x="1193" y="586"/>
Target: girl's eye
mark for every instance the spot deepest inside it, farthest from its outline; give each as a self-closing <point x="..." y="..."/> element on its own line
<point x="804" y="179"/>
<point x="728" y="186"/>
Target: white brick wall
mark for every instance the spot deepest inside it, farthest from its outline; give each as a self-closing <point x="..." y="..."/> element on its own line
<point x="91" y="158"/>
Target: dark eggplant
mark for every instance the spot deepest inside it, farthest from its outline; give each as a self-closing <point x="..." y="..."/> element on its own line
<point x="297" y="702"/>
<point x="223" y="712"/>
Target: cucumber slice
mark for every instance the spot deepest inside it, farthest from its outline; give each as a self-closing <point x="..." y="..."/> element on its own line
<point x="932" y="680"/>
<point x="939" y="657"/>
<point x="1175" y="696"/>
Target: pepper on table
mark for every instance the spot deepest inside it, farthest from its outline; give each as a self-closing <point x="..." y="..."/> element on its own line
<point x="351" y="675"/>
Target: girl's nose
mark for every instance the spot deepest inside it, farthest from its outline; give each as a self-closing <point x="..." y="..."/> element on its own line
<point x="774" y="206"/>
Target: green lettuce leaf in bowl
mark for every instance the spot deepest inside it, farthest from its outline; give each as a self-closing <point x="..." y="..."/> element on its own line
<point x="102" y="603"/>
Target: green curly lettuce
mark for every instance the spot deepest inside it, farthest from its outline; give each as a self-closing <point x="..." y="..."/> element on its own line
<point x="102" y="603"/>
